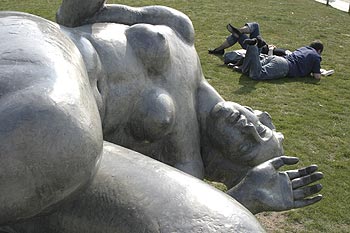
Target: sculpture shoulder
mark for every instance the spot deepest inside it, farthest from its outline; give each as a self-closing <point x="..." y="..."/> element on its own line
<point x="175" y="19"/>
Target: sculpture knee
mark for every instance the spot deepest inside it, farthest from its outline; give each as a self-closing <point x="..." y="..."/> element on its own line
<point x="47" y="153"/>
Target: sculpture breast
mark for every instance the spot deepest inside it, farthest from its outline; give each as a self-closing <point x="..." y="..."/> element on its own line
<point x="150" y="46"/>
<point x="153" y="116"/>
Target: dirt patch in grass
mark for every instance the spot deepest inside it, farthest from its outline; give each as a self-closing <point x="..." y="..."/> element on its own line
<point x="276" y="222"/>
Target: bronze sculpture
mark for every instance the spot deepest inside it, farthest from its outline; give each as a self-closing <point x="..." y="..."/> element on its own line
<point x="130" y="76"/>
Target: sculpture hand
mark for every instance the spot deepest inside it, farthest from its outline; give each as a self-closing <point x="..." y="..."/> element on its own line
<point x="266" y="189"/>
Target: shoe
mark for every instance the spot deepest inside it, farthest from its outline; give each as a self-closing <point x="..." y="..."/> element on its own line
<point x="238" y="69"/>
<point x="233" y="30"/>
<point x="237" y="63"/>
<point x="261" y="42"/>
<point x="216" y="51"/>
<point x="253" y="41"/>
<point x="230" y="65"/>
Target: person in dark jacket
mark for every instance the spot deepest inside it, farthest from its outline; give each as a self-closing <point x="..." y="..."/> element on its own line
<point x="302" y="62"/>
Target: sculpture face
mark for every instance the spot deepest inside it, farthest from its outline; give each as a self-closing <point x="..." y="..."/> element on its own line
<point x="241" y="137"/>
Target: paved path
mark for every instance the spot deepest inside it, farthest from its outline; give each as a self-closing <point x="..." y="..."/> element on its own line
<point x="342" y="5"/>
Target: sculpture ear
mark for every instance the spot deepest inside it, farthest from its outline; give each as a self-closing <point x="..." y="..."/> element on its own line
<point x="265" y="118"/>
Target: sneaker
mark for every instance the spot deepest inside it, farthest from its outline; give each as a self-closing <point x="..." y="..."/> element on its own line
<point x="253" y="41"/>
<point x="237" y="63"/>
<point x="230" y="65"/>
<point x="261" y="42"/>
<point x="238" y="69"/>
<point x="216" y="51"/>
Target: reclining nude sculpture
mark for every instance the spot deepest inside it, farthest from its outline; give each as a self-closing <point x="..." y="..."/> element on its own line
<point x="75" y="94"/>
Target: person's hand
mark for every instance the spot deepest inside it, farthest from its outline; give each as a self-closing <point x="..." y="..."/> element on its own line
<point x="317" y="76"/>
<point x="266" y="189"/>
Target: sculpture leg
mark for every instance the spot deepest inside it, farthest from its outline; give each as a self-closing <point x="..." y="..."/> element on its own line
<point x="50" y="129"/>
<point x="134" y="193"/>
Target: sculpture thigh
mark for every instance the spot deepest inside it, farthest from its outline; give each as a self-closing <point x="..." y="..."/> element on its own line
<point x="133" y="193"/>
<point x="50" y="129"/>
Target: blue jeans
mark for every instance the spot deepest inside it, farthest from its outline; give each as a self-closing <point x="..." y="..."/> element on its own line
<point x="254" y="32"/>
<point x="265" y="68"/>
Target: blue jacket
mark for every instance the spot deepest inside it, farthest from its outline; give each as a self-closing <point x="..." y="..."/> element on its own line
<point x="304" y="61"/>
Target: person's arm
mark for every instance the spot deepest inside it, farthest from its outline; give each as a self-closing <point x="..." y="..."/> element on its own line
<point x="271" y="50"/>
<point x="316" y="69"/>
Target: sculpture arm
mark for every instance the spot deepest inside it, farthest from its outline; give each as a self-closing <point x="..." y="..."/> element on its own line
<point x="207" y="98"/>
<point x="80" y="12"/>
<point x="156" y="15"/>
<point x="73" y="13"/>
<point x="266" y="189"/>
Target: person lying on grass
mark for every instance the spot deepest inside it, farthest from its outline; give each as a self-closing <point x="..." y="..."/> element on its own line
<point x="302" y="62"/>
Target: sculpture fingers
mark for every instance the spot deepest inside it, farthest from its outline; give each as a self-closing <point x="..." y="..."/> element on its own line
<point x="308" y="201"/>
<point x="301" y="193"/>
<point x="305" y="180"/>
<point x="284" y="160"/>
<point x="302" y="171"/>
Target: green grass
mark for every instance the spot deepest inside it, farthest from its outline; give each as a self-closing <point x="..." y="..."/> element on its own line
<point x="313" y="116"/>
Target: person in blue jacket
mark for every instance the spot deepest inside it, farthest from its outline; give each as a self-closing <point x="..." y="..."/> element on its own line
<point x="302" y="62"/>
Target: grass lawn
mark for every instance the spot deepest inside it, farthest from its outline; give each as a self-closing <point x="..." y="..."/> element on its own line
<point x="313" y="116"/>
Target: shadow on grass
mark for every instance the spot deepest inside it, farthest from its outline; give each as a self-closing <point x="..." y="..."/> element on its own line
<point x="248" y="85"/>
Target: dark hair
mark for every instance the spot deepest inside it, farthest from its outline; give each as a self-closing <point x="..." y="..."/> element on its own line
<point x="317" y="45"/>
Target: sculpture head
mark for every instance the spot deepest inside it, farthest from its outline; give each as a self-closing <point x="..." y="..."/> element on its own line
<point x="242" y="135"/>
